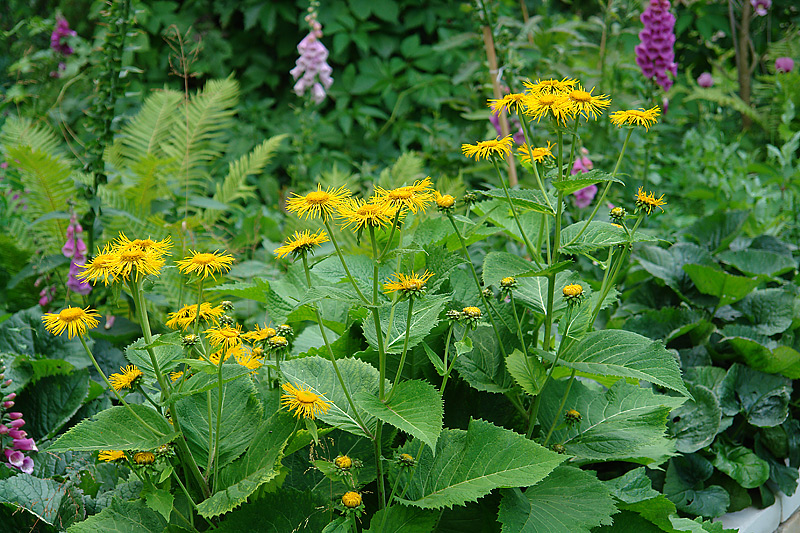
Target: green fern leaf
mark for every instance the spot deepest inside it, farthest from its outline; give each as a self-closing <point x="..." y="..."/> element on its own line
<point x="21" y="131"/>
<point x="151" y="126"/>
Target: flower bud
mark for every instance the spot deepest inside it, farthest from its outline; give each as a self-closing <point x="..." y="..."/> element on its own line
<point x="25" y="444"/>
<point x="8" y="405"/>
<point x="17" y="434"/>
<point x="16" y="424"/>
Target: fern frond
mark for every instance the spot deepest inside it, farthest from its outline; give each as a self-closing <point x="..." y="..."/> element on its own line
<point x="151" y="126"/>
<point x="407" y="168"/>
<point x="21" y="131"/>
<point x="234" y="187"/>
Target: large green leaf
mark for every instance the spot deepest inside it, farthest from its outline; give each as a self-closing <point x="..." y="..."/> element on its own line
<point x="279" y="512"/>
<point x="685" y="485"/>
<point x="695" y="423"/>
<point x="167" y="349"/>
<point x="123" y="517"/>
<point x="400" y="519"/>
<point x="24" y="333"/>
<point x="568" y="500"/>
<point x="614" y="352"/>
<point x="498" y="265"/>
<point x="317" y="374"/>
<point x="470" y="464"/>
<point x="51" y="402"/>
<point x="667" y="265"/>
<point x="526" y="198"/>
<point x="258" y="466"/>
<point x="762" y="398"/>
<point x="584" y="179"/>
<point x="55" y="503"/>
<point x="716" y="231"/>
<point x="117" y="429"/>
<point x="669" y="323"/>
<point x="528" y="372"/>
<point x="770" y="310"/>
<point x="620" y="423"/>
<point x="727" y="287"/>
<point x="533" y="291"/>
<point x="424" y="317"/>
<point x="740" y="463"/>
<point x="415" y="407"/>
<point x="759" y="262"/>
<point x="762" y="354"/>
<point x="241" y="413"/>
<point x="255" y="290"/>
<point x="597" y="235"/>
<point x="483" y="367"/>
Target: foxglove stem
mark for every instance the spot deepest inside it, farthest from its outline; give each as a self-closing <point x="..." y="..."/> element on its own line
<point x="344" y="263"/>
<point x="405" y="350"/>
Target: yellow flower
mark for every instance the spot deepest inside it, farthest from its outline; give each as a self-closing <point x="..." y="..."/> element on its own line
<point x="205" y="263"/>
<point x="636" y="117"/>
<point x="550" y="86"/>
<point x="445" y="201"/>
<point x="508" y="103"/>
<point x="127" y="379"/>
<point x="317" y="203"/>
<point x="258" y="352"/>
<point x="648" y="201"/>
<point x="277" y="342"/>
<point x="215" y="357"/>
<point x="484" y="149"/>
<point x="259" y="334"/>
<point x="247" y="359"/>
<point x="227" y="336"/>
<point x="409" y="286"/>
<point x="556" y="105"/>
<point x="144" y="458"/>
<point x="586" y="104"/>
<point x="103" y="267"/>
<point x="351" y="499"/>
<point x="414" y="197"/>
<point x="344" y="462"/>
<point x="538" y="154"/>
<point x="301" y="243"/>
<point x="160" y="248"/>
<point x="143" y="262"/>
<point x="472" y="312"/>
<point x="110" y="456"/>
<point x="175" y="376"/>
<point x="572" y="290"/>
<point x="303" y="402"/>
<point x="74" y="319"/>
<point x="360" y="214"/>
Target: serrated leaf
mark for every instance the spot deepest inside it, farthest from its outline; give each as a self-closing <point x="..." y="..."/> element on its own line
<point x="568" y="500"/>
<point x="620" y="423"/>
<point x="122" y="517"/>
<point x="160" y="501"/>
<point x="289" y="510"/>
<point x="623" y="354"/>
<point x="584" y="179"/>
<point x="498" y="265"/>
<point x="167" y="349"/>
<point x="470" y="464"/>
<point x="435" y="360"/>
<point x="597" y="235"/>
<point x="117" y="429"/>
<point x="424" y="318"/>
<point x="727" y="287"/>
<point x="528" y="372"/>
<point x="526" y="198"/>
<point x="51" y="402"/>
<point x="400" y="519"/>
<point x="255" y="290"/>
<point x="415" y="407"/>
<point x="483" y="366"/>
<point x="55" y="503"/>
<point x="533" y="291"/>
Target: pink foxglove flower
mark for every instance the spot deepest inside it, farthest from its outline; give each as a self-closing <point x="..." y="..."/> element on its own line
<point x="57" y="39"/>
<point x="312" y="70"/>
<point x="655" y="55"/>
<point x="705" y="80"/>
<point x="75" y="249"/>
<point x="784" y="64"/>
<point x="519" y="136"/>
<point x="761" y="7"/>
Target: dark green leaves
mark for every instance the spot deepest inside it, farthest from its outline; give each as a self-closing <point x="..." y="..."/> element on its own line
<point x="526" y="198"/>
<point x="597" y="235"/>
<point x="762" y="398"/>
<point x="584" y="179"/>
<point x="740" y="463"/>
<point x="727" y="287"/>
<point x="123" y="517"/>
<point x="696" y="422"/>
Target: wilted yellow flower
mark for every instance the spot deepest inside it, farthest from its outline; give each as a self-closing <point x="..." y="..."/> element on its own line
<point x="409" y="286"/>
<point x="110" y="456"/>
<point x="127" y="379"/>
<point x="636" y="117"/>
<point x="444" y="201"/>
<point x="648" y="201"/>
<point x="259" y="334"/>
<point x="144" y="458"/>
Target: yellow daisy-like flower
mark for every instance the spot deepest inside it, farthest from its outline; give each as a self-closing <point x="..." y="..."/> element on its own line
<point x="277" y="342"/>
<point x="572" y="290"/>
<point x="74" y="319"/>
<point x="484" y="149"/>
<point x="258" y="352"/>
<point x="225" y="336"/>
<point x="343" y="461"/>
<point x="175" y="376"/>
<point x="103" y="266"/>
<point x="127" y="378"/>
<point x="444" y="201"/>
<point x="414" y="197"/>
<point x="223" y="354"/>
<point x="508" y="103"/>
<point x="472" y="312"/>
<point x="360" y="214"/>
<point x="636" y="117"/>
<point x="139" y="261"/>
<point x="303" y="402"/>
<point x="556" y="105"/>
<point x="538" y="154"/>
<point x="144" y="458"/>
<point x="587" y="104"/>
<point x="301" y="243"/>
<point x="409" y="286"/>
<point x="110" y="456"/>
<point x="317" y="203"/>
<point x="550" y="86"/>
<point x="160" y="248"/>
<point x="648" y="201"/>
<point x="247" y="359"/>
<point x="205" y="264"/>
<point x="351" y="499"/>
<point x="259" y="334"/>
<point x="186" y="315"/>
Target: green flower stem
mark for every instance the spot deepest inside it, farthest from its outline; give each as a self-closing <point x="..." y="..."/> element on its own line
<point x="533" y="412"/>
<point x="519" y="324"/>
<point x="220" y="398"/>
<point x="344" y="263"/>
<point x="330" y="353"/>
<point x="453" y="362"/>
<point x="210" y="414"/>
<point x="560" y="408"/>
<point x="465" y="253"/>
<point x="522" y="234"/>
<point x="199" y="303"/>
<point x="391" y="235"/>
<point x="572" y="146"/>
<point x="494" y="309"/>
<point x="605" y="190"/>
<point x="381" y="482"/>
<point x="559" y="177"/>
<point x="148" y="398"/>
<point x="404" y="353"/>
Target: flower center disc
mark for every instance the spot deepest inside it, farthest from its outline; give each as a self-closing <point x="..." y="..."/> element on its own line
<point x="306" y="396"/>
<point x="317" y="197"/>
<point x="580" y="96"/>
<point x="70" y="314"/>
<point x="203" y="259"/>
<point x="131" y="256"/>
<point x="547" y="100"/>
<point x="403" y="193"/>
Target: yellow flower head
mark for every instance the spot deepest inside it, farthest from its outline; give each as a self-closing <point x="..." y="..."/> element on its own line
<point x="110" y="456"/>
<point x="472" y="312"/>
<point x="127" y="379"/>
<point x="74" y="319"/>
<point x="408" y="286"/>
<point x="204" y="263"/>
<point x="259" y="334"/>
<point x="587" y="104"/>
<point x="142" y="262"/>
<point x="344" y="462"/>
<point x="103" y="266"/>
<point x="556" y="105"/>
<point x="444" y="201"/>
<point x="223" y="354"/>
<point x="160" y="248"/>
<point x="301" y="243"/>
<point x="414" y="197"/>
<point x="317" y="203"/>
<point x="186" y="315"/>
<point x="303" y="402"/>
<point x="647" y="202"/>
<point x="277" y="342"/>
<point x="572" y="293"/>
<point x="636" y="117"/>
<point x="508" y="103"/>
<point x="538" y="154"/>
<point x="144" y="458"/>
<point x="247" y="359"/>
<point x="550" y="86"/>
<point x="226" y="336"/>
<point x="351" y="499"/>
<point x="493" y="147"/>
<point x="360" y="214"/>
<point x="175" y="376"/>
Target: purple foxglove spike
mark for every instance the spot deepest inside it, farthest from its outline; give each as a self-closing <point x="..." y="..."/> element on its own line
<point x="17" y="434"/>
<point x="16" y="424"/>
<point x="583" y="197"/>
<point x="61" y="32"/>
<point x="784" y="64"/>
<point x="655" y="55"/>
<point x="25" y="444"/>
<point x="3" y="429"/>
